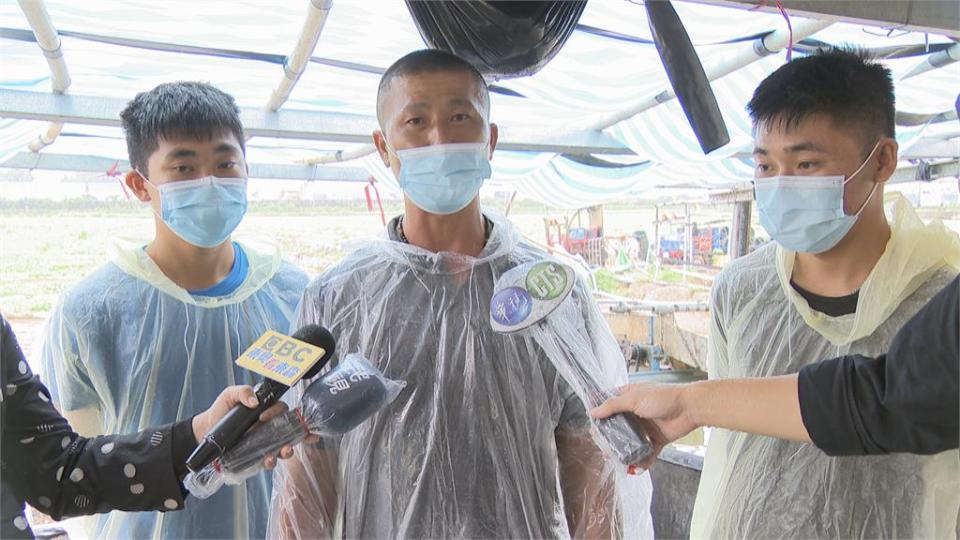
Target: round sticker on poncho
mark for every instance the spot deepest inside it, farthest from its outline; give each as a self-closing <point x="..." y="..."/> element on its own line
<point x="511" y="306"/>
<point x="546" y="281"/>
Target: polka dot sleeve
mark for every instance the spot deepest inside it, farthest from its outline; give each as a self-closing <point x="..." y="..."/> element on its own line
<point x="62" y="474"/>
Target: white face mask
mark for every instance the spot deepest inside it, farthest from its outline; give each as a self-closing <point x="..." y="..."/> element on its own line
<point x="203" y="212"/>
<point x="443" y="178"/>
<point x="805" y="213"/>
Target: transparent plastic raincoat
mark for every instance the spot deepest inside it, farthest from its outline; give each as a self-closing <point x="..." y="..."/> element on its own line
<point x="486" y="440"/>
<point x="760" y="487"/>
<point x="129" y="343"/>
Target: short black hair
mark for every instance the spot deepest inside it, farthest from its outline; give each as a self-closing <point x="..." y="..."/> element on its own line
<point x="429" y="61"/>
<point x="178" y="110"/>
<point x="845" y="84"/>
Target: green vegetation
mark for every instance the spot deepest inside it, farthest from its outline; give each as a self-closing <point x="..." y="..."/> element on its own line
<point x="608" y="282"/>
<point x="668" y="275"/>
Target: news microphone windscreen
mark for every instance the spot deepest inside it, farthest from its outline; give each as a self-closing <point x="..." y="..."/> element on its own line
<point x="317" y="336"/>
<point x="344" y="397"/>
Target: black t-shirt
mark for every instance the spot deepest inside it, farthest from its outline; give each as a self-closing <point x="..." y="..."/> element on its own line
<point x="904" y="401"/>
<point x="833" y="306"/>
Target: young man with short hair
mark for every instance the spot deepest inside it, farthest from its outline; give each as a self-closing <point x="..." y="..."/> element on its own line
<point x="846" y="271"/>
<point x="150" y="337"/>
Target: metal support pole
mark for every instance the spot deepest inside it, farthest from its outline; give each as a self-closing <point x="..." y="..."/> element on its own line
<point x="654" y="357"/>
<point x="740" y="232"/>
<point x="687" y="239"/>
<point x="656" y="235"/>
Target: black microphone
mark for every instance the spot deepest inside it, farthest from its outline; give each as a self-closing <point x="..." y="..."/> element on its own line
<point x="235" y="423"/>
<point x="322" y="411"/>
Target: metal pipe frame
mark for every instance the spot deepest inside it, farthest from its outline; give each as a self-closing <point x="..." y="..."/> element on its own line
<point x="69" y="162"/>
<point x="914" y="173"/>
<point x="751" y="52"/>
<point x="284" y="124"/>
<point x="933" y="16"/>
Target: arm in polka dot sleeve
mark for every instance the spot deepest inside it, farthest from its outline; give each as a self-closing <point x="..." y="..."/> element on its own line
<point x="63" y="474"/>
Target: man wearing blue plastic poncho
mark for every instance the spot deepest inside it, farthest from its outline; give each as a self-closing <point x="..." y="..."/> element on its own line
<point x="487" y="440"/>
<point x="847" y="271"/>
<point x="150" y="337"/>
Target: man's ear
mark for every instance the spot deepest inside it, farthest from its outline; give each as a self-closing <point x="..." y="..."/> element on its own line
<point x="380" y="142"/>
<point x="136" y="184"/>
<point x="887" y="158"/>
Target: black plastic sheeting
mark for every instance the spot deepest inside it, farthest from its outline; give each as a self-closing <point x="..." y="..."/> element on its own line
<point x="501" y="39"/>
<point x="686" y="75"/>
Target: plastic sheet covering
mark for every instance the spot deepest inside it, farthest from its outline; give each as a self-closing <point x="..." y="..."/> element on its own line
<point x="487" y="440"/>
<point x="501" y="39"/>
<point x="917" y="252"/>
<point x="533" y="300"/>
<point x="132" y="346"/>
<point x="760" y="487"/>
<point x="332" y="405"/>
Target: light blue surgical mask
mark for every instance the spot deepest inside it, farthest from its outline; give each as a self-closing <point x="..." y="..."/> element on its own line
<point x="203" y="212"/>
<point x="443" y="178"/>
<point x="805" y="213"/>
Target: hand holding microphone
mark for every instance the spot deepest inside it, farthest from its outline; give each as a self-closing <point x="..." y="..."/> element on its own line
<point x="225" y="402"/>
<point x="334" y="404"/>
<point x="310" y="343"/>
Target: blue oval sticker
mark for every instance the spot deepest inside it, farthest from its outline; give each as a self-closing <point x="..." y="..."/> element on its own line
<point x="511" y="306"/>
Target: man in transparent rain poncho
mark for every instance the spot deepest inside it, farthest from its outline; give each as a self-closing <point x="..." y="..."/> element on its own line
<point x="486" y="440"/>
<point x="848" y="268"/>
<point x="150" y="337"/>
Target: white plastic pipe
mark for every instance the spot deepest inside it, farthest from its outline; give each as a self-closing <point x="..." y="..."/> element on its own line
<point x="49" y="41"/>
<point x="936" y="60"/>
<point x="296" y="63"/>
<point x="340" y="155"/>
<point x="750" y="53"/>
<point x="46" y="138"/>
<point x="654" y="306"/>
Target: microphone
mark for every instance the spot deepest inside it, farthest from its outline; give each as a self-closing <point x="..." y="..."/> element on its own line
<point x="334" y="404"/>
<point x="235" y="423"/>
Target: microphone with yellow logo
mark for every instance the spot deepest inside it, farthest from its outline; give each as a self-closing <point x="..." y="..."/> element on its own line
<point x="282" y="360"/>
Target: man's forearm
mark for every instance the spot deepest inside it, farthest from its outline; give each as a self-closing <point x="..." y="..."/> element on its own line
<point x="589" y="493"/>
<point x="305" y="506"/>
<point x="768" y="406"/>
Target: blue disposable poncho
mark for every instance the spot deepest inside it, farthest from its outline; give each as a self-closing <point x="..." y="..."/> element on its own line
<point x="129" y="345"/>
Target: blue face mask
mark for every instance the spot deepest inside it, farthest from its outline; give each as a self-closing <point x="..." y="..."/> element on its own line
<point x="443" y="178"/>
<point x="805" y="213"/>
<point x="203" y="212"/>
